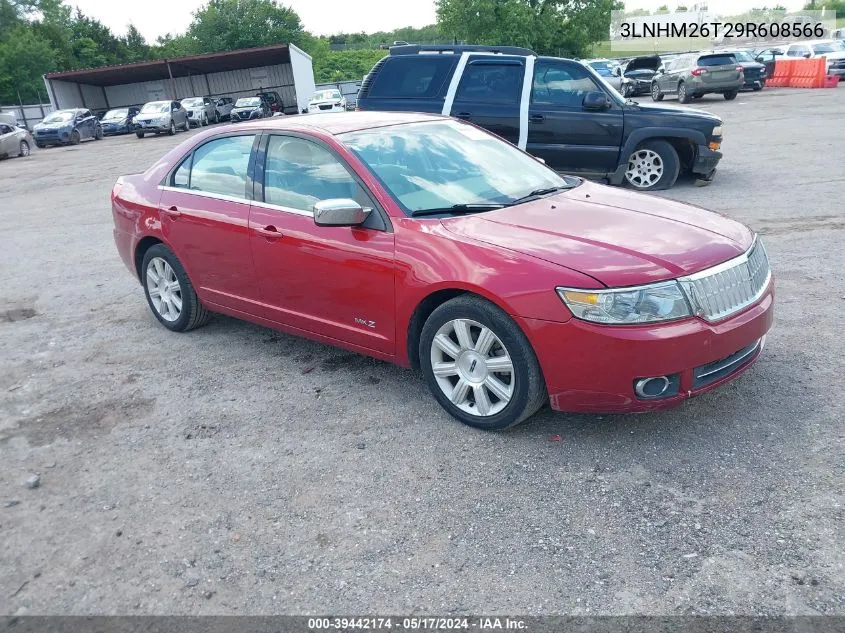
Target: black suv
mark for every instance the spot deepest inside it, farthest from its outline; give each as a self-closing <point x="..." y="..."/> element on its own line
<point x="556" y="109"/>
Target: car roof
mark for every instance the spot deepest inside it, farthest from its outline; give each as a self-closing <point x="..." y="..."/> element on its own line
<point x="341" y="122"/>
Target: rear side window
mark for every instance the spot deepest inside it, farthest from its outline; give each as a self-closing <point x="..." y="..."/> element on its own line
<point x="717" y="60"/>
<point x="413" y="76"/>
<point x="219" y="166"/>
<point x="491" y="83"/>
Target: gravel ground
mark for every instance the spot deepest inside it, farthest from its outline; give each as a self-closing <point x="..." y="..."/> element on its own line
<point x="239" y="470"/>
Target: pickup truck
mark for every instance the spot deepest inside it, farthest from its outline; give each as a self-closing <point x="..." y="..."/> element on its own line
<point x="559" y="110"/>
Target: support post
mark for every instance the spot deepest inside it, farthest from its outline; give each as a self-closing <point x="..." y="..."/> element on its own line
<point x="172" y="86"/>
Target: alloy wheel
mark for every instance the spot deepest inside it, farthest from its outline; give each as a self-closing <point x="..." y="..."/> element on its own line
<point x="24" y="148"/>
<point x="164" y="289"/>
<point x="472" y="367"/>
<point x="645" y="168"/>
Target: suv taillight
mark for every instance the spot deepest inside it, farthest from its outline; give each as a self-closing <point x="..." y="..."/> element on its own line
<point x="697" y="72"/>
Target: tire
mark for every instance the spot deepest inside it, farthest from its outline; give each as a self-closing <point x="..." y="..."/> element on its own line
<point x="139" y="134"/>
<point x="757" y="88"/>
<point x="522" y="387"/>
<point x="683" y="95"/>
<point x="626" y="91"/>
<point x="172" y="129"/>
<point x="656" y="95"/>
<point x="40" y="145"/>
<point x="216" y="117"/>
<point x="192" y="314"/>
<point x="74" y="137"/>
<point x="98" y="135"/>
<point x="204" y="121"/>
<point x="642" y="173"/>
<point x="24" y="149"/>
<point x="697" y="97"/>
<point x="730" y="95"/>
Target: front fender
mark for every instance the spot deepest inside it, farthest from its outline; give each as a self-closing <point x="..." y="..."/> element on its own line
<point x="640" y="135"/>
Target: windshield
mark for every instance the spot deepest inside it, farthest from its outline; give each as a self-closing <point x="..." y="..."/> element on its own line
<point x="59" y="117"/>
<point x="827" y="47"/>
<point x="441" y="164"/>
<point x="120" y="113"/>
<point x="194" y="101"/>
<point x="742" y="56"/>
<point x="602" y="68"/>
<point x="326" y="95"/>
<point x="156" y="106"/>
<point x="247" y="102"/>
<point x="612" y="93"/>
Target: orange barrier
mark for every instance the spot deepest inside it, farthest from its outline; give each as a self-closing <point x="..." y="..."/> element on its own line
<point x="808" y="73"/>
<point x="831" y="81"/>
<point x="782" y="74"/>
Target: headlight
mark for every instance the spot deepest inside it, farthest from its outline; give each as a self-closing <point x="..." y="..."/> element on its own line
<point x="663" y="301"/>
<point x="717" y="131"/>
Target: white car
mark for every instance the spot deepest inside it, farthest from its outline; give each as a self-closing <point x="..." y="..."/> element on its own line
<point x="327" y="101"/>
<point x="830" y="50"/>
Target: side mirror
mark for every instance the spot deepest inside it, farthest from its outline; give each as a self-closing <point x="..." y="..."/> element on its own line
<point x="618" y="71"/>
<point x="339" y="212"/>
<point x="596" y="101"/>
<point x="660" y="70"/>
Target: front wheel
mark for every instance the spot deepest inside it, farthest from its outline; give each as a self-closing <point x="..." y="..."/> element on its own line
<point x="656" y="95"/>
<point x="479" y="365"/>
<point x="683" y="95"/>
<point x="653" y="165"/>
<point x="731" y="95"/>
<point x="24" y="149"/>
<point x="626" y="90"/>
<point x="98" y="134"/>
<point x="74" y="138"/>
<point x="139" y="134"/>
<point x="169" y="292"/>
<point x="172" y="129"/>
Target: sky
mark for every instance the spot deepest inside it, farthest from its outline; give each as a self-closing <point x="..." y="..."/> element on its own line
<point x="326" y="17"/>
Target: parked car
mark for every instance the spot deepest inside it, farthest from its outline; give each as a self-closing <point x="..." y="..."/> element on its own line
<point x="768" y="57"/>
<point x="694" y="75"/>
<point x="14" y="141"/>
<point x="119" y="120"/>
<point x="249" y="108"/>
<point x="607" y="71"/>
<point x="273" y="100"/>
<point x="568" y="116"/>
<point x="67" y="127"/>
<point x="829" y="50"/>
<point x="161" y="116"/>
<point x="517" y="270"/>
<point x="330" y="100"/>
<point x="753" y="71"/>
<point x="224" y="107"/>
<point x="637" y="75"/>
<point x="201" y="111"/>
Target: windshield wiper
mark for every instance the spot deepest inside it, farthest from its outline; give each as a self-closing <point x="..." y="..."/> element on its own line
<point x="458" y="208"/>
<point x="537" y="193"/>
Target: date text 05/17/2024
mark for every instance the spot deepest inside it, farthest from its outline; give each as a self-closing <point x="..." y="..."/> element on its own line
<point x="416" y="623"/>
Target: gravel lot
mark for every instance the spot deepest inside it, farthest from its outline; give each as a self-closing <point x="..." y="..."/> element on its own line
<point x="235" y="469"/>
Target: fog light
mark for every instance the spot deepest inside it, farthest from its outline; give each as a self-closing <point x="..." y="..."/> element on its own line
<point x="656" y="387"/>
<point x="714" y="145"/>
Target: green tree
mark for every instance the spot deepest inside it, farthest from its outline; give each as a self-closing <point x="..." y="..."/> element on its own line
<point x="828" y="5"/>
<point x="134" y="44"/>
<point x="224" y="25"/>
<point x="681" y="9"/>
<point x="24" y="57"/>
<point x="663" y="8"/>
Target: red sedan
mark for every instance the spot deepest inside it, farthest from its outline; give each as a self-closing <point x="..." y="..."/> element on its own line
<point x="427" y="242"/>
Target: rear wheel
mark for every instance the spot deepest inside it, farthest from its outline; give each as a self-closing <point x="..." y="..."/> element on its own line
<point x="74" y="137"/>
<point x="139" y="134"/>
<point x="24" y="149"/>
<point x="169" y="292"/>
<point x="653" y="165"/>
<point x="172" y="129"/>
<point x="479" y="365"/>
<point x="683" y="95"/>
<point x="656" y="95"/>
<point x="731" y="95"/>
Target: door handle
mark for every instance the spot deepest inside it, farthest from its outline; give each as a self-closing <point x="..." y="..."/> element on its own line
<point x="269" y="231"/>
<point x="536" y="118"/>
<point x="171" y="212"/>
<point x="463" y="115"/>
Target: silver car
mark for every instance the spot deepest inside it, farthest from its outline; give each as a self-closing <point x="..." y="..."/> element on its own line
<point x="161" y="116"/>
<point x="201" y="111"/>
<point x="224" y="107"/>
<point x="14" y="141"/>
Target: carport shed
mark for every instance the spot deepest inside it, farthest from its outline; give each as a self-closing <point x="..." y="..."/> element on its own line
<point x="283" y="68"/>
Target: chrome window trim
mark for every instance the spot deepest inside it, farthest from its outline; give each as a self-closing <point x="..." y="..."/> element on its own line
<point x="278" y="207"/>
<point x="206" y="194"/>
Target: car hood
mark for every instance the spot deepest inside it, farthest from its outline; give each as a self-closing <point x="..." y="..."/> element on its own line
<point x="651" y="63"/>
<point x="148" y="116"/>
<point x="618" y="237"/>
<point x="639" y="73"/>
<point x="834" y="55"/>
<point x="52" y="126"/>
<point x="678" y="110"/>
<point x="246" y="108"/>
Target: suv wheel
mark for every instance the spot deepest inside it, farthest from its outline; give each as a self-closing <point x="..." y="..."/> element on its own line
<point x="683" y="95"/>
<point x="653" y="165"/>
<point x="730" y="95"/>
<point x="479" y="365"/>
<point x="656" y="95"/>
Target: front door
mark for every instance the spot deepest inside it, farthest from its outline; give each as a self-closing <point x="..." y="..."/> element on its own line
<point x="333" y="281"/>
<point x="205" y="212"/>
<point x="489" y="93"/>
<point x="9" y="145"/>
<point x="560" y="131"/>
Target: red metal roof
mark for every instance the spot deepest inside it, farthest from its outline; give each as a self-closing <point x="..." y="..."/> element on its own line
<point x="180" y="67"/>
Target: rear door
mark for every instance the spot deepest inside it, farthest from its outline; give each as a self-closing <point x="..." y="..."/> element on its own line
<point x="718" y="70"/>
<point x="87" y="124"/>
<point x="560" y="131"/>
<point x="673" y="72"/>
<point x="408" y="83"/>
<point x="489" y="93"/>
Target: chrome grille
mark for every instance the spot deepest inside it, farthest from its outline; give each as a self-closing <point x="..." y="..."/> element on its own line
<point x="725" y="289"/>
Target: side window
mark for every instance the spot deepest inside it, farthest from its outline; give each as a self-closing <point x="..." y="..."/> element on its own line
<point x="299" y="173"/>
<point x="561" y="85"/>
<point x="491" y="83"/>
<point x="219" y="166"/>
<point x="5" y="129"/>
<point x="413" y="76"/>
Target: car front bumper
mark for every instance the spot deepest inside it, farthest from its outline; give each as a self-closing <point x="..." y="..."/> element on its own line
<point x="592" y="368"/>
<point x="110" y="129"/>
<point x="152" y="126"/>
<point x="325" y="108"/>
<point x="706" y="161"/>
